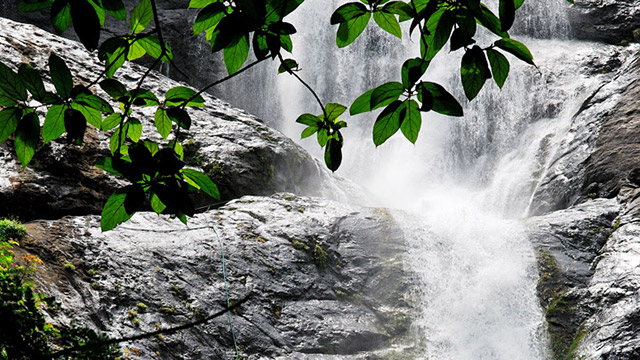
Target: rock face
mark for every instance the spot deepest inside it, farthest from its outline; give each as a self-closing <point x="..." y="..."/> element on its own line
<point x="321" y="277"/>
<point x="236" y="149"/>
<point x="612" y="21"/>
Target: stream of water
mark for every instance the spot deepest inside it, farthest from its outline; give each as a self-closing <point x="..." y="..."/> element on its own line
<point x="461" y="188"/>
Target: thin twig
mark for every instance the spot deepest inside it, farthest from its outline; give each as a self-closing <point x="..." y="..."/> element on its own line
<point x="324" y="111"/>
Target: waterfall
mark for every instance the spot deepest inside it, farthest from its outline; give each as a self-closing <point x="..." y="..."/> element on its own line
<point x="460" y="190"/>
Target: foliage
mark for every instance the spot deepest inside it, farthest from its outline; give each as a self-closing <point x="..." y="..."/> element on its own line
<point x="25" y="334"/>
<point x="156" y="172"/>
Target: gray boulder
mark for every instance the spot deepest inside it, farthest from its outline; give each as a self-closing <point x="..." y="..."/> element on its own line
<point x="323" y="279"/>
<point x="611" y="21"/>
<point x="241" y="153"/>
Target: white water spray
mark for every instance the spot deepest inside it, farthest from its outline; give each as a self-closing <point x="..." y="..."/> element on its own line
<point x="459" y="189"/>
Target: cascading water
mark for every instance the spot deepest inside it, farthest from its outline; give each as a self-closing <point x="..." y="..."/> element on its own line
<point x="459" y="190"/>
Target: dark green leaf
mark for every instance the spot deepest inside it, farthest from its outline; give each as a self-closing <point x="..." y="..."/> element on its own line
<point x="141" y="17"/>
<point x="388" y="23"/>
<point x="75" y="124"/>
<point x="490" y="21"/>
<point x="412" y="71"/>
<point x="334" y="110"/>
<point x="167" y="162"/>
<point x="180" y="117"/>
<point x="106" y="164"/>
<point x="32" y="81"/>
<point x="499" y="66"/>
<point x="60" y="76"/>
<point x="86" y="23"/>
<point x="278" y="9"/>
<point x="151" y="44"/>
<point x="387" y="123"/>
<point x="386" y="94"/>
<point x="163" y="123"/>
<point x="347" y="12"/>
<point x="349" y="31"/>
<point x="209" y="17"/>
<point x="179" y="94"/>
<point x="308" y="119"/>
<point x="61" y="15"/>
<point x="203" y="182"/>
<point x="475" y="71"/>
<point x="9" y="119"/>
<point x="53" y="126"/>
<point x="288" y="65"/>
<point x="115" y="8"/>
<point x="310" y="130"/>
<point x="333" y="154"/>
<point x="516" y="48"/>
<point x="410" y="124"/>
<point x="443" y="102"/>
<point x="440" y="26"/>
<point x="460" y="39"/>
<point x="285" y="42"/>
<point x="260" y="46"/>
<point x="362" y="103"/>
<point x="33" y="5"/>
<point x="11" y="85"/>
<point x="323" y="137"/>
<point x="134" y="199"/>
<point x="399" y="8"/>
<point x="114" y="88"/>
<point x="143" y="97"/>
<point x="6" y="100"/>
<point x="113" y="212"/>
<point x="507" y="14"/>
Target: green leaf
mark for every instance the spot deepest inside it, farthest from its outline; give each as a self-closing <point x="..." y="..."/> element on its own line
<point x="156" y="204"/>
<point x="143" y="97"/>
<point x="114" y="88"/>
<point x="516" y="48"/>
<point x="499" y="66"/>
<point x="53" y="126"/>
<point x="134" y="129"/>
<point x="113" y="52"/>
<point x="334" y="110"/>
<point x="362" y="104"/>
<point x="178" y="148"/>
<point x="11" y="84"/>
<point x="439" y="27"/>
<point x="163" y="123"/>
<point x="9" y="119"/>
<point x="308" y="119"/>
<point x="106" y="164"/>
<point x="61" y="15"/>
<point x="412" y="71"/>
<point x="113" y="212"/>
<point x="92" y="115"/>
<point x="387" y="123"/>
<point x="199" y="4"/>
<point x="179" y="94"/>
<point x="411" y="121"/>
<point x="115" y="8"/>
<point x="32" y="81"/>
<point x="442" y="101"/>
<point x="141" y="17"/>
<point x="60" y="76"/>
<point x="286" y="43"/>
<point x="349" y="31"/>
<point x="388" y="23"/>
<point x="405" y="11"/>
<point x="288" y="65"/>
<point x="490" y="21"/>
<point x="475" y="71"/>
<point x="507" y="11"/>
<point x="153" y="47"/>
<point x="203" y="182"/>
<point x="136" y="51"/>
<point x="278" y="9"/>
<point x="236" y="53"/>
<point x="347" y="12"/>
<point x="27" y="138"/>
<point x="385" y="94"/>
<point x="519" y="3"/>
<point x="310" y="130"/>
<point x="86" y="23"/>
<point x="209" y="17"/>
<point x="333" y="154"/>
<point x="5" y="100"/>
<point x="33" y="5"/>
<point x="111" y="121"/>
<point x="260" y="46"/>
<point x="460" y="38"/>
<point x="94" y="102"/>
<point x="119" y="136"/>
<point x="323" y="137"/>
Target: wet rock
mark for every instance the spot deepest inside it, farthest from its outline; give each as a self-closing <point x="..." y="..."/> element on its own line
<point x="237" y="150"/>
<point x="321" y="277"/>
<point x="611" y="21"/>
<point x="580" y="167"/>
<point x="568" y="244"/>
